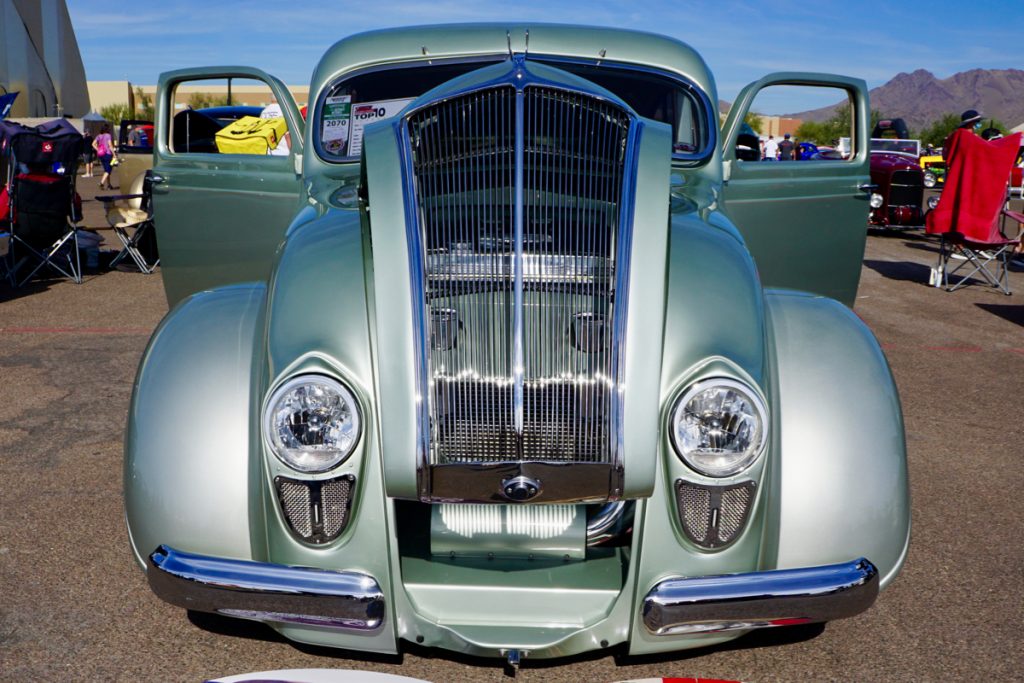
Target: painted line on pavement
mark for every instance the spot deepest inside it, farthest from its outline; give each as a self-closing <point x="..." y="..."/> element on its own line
<point x="77" y="330"/>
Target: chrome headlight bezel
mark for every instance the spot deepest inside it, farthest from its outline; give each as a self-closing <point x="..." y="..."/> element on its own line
<point x="876" y="200"/>
<point x="311" y="460"/>
<point x="743" y="460"/>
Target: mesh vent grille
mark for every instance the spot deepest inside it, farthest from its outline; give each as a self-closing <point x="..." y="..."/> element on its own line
<point x="316" y="511"/>
<point x="695" y="511"/>
<point x="334" y="498"/>
<point x="733" y="512"/>
<point x="713" y="516"/>
<point x="294" y="498"/>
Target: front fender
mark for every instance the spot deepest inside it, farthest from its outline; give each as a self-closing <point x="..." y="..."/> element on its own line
<point x="186" y="467"/>
<point x="841" y="482"/>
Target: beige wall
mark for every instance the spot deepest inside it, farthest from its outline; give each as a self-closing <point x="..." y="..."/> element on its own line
<point x="105" y="93"/>
<point x="39" y="59"/>
<point x="253" y="95"/>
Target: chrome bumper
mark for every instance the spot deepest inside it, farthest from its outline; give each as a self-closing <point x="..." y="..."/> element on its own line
<point x="782" y="597"/>
<point x="266" y="592"/>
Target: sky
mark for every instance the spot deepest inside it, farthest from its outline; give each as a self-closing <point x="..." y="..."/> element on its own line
<point x="741" y="40"/>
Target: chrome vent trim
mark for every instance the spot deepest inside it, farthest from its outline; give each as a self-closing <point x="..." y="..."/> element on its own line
<point x="712" y="517"/>
<point x="316" y="511"/>
<point x="519" y="246"/>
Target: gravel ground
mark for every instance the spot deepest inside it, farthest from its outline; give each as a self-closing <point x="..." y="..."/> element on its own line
<point x="74" y="607"/>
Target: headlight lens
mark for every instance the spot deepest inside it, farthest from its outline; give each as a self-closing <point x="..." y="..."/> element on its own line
<point x="312" y="423"/>
<point x="876" y="200"/>
<point x="719" y="427"/>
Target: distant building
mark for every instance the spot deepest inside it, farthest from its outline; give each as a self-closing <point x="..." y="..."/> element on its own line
<point x="243" y="94"/>
<point x="39" y="59"/>
<point x="779" y="125"/>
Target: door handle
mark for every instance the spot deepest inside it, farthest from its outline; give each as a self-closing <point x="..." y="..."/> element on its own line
<point x="160" y="185"/>
<point x="867" y="187"/>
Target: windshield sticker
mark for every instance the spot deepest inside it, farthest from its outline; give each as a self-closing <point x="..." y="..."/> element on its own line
<point x="367" y="112"/>
<point x="337" y="117"/>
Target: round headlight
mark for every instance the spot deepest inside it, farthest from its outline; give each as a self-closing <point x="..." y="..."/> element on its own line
<point x="312" y="423"/>
<point x="875" y="201"/>
<point x="719" y="427"/>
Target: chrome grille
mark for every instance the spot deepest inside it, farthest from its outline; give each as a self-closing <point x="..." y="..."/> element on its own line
<point x="906" y="188"/>
<point x="316" y="511"/>
<point x="713" y="516"/>
<point x="519" y="198"/>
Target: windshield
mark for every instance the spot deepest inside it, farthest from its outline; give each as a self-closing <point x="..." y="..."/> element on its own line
<point x="911" y="147"/>
<point x="350" y="104"/>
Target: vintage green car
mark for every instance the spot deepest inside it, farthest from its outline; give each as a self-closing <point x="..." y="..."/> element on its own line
<point x="530" y="365"/>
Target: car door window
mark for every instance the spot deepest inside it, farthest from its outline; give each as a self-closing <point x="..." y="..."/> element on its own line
<point x="792" y="123"/>
<point x="227" y="116"/>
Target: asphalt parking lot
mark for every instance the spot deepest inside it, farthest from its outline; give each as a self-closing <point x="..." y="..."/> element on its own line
<point x="73" y="606"/>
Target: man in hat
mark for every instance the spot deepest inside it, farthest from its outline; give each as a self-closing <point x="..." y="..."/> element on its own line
<point x="786" y="148"/>
<point x="970" y="121"/>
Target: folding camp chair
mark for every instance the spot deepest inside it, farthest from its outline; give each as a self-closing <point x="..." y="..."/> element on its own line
<point x="37" y="200"/>
<point x="132" y="226"/>
<point x="972" y="212"/>
<point x="43" y="232"/>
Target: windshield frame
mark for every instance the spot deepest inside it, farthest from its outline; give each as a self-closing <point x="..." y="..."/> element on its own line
<point x="706" y="111"/>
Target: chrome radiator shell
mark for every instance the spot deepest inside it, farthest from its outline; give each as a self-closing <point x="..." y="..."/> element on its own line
<point x="519" y="252"/>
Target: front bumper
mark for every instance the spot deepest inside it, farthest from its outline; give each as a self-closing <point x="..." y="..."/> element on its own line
<point x="353" y="601"/>
<point x="783" y="597"/>
<point x="267" y="592"/>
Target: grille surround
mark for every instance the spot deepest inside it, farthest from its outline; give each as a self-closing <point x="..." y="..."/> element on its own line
<point x="316" y="512"/>
<point x="713" y="517"/>
<point x="522" y="286"/>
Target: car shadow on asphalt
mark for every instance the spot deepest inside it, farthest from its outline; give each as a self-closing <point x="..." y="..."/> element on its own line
<point x="252" y="630"/>
<point x="900" y="270"/>
<point x="1011" y="312"/>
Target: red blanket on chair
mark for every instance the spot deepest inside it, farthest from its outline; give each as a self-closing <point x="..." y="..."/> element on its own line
<point x="975" y="190"/>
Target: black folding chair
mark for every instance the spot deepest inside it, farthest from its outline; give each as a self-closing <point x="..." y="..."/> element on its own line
<point x="43" y="232"/>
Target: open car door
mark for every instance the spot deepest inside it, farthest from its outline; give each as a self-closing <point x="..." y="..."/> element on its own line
<point x="804" y="221"/>
<point x="221" y="211"/>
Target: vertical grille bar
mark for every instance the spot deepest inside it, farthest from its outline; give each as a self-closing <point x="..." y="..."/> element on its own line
<point x="519" y="198"/>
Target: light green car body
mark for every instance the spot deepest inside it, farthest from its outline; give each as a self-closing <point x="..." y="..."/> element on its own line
<point x="281" y="266"/>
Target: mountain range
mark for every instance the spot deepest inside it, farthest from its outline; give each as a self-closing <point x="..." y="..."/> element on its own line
<point x="919" y="98"/>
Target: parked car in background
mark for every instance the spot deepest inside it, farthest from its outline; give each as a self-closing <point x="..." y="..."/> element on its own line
<point x="898" y="196"/>
<point x="135" y="155"/>
<point x="934" y="168"/>
<point x="496" y="361"/>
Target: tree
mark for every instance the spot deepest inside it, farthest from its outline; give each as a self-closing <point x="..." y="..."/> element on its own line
<point x="937" y="132"/>
<point x="836" y="126"/>
<point x="202" y="100"/>
<point x="754" y="120"/>
<point x="115" y="113"/>
<point x="144" y="106"/>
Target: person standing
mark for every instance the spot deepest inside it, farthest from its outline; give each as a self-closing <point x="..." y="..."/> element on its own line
<point x="771" y="149"/>
<point x="104" y="146"/>
<point x="786" y="149"/>
<point x="89" y="154"/>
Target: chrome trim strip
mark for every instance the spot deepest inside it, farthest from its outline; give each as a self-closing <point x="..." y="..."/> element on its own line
<point x="266" y="592"/>
<point x="782" y="597"/>
<point x="623" y="257"/>
<point x="518" y="370"/>
<point x="421" y="330"/>
<point x="561" y="482"/>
